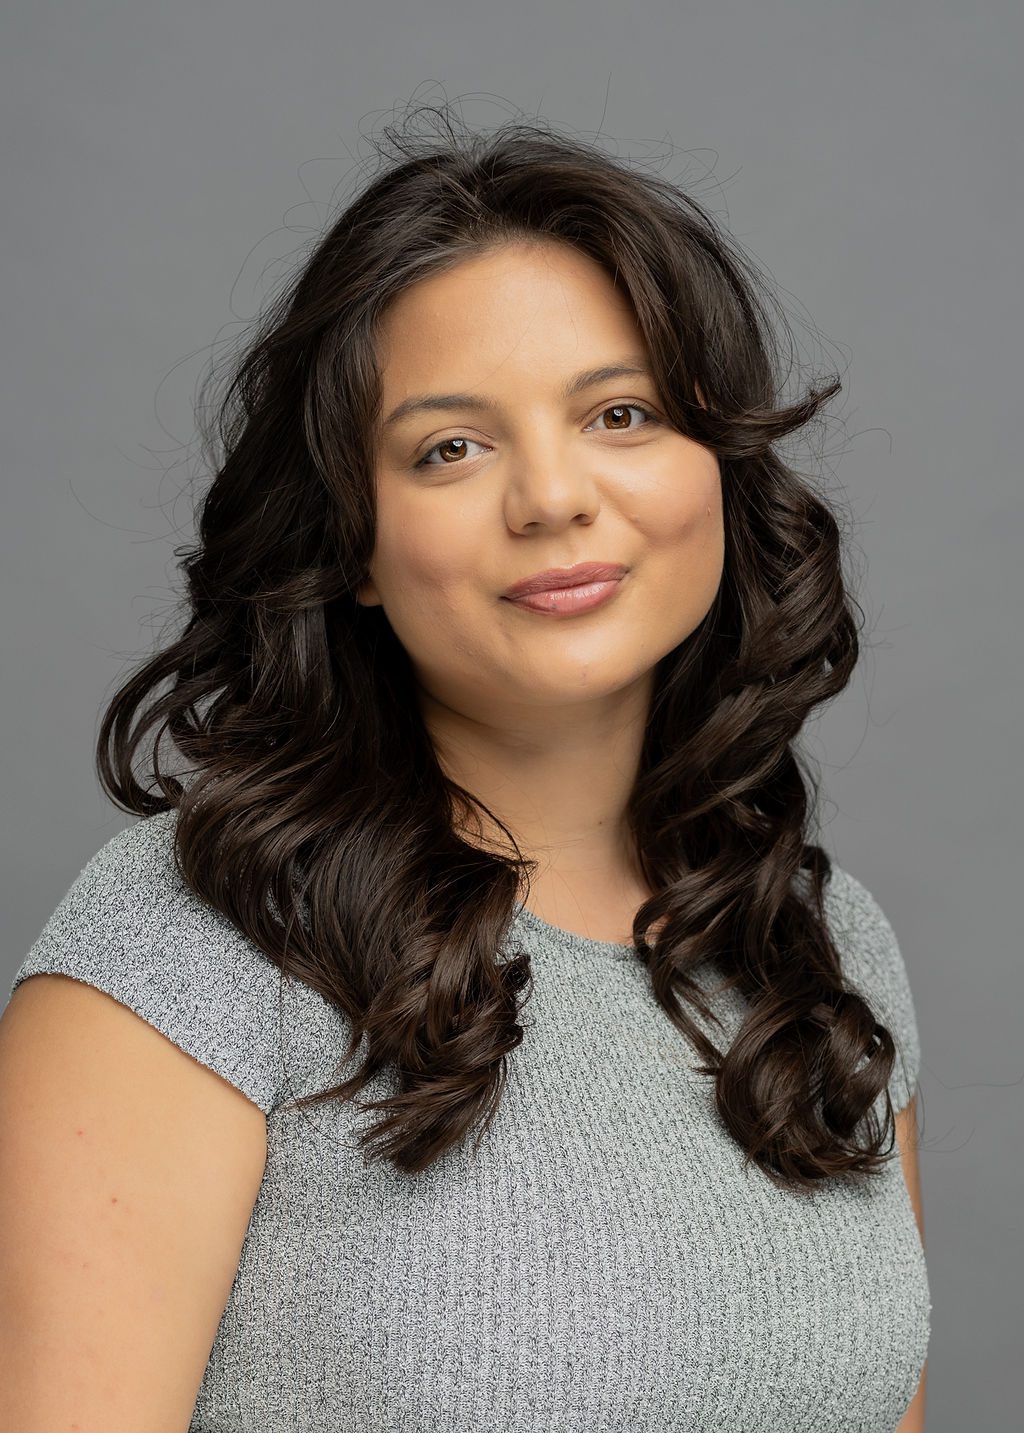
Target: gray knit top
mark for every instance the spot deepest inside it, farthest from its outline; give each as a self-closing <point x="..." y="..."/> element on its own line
<point x="601" y="1264"/>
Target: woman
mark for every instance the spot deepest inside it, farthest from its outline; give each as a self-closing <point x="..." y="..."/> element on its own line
<point x="503" y="623"/>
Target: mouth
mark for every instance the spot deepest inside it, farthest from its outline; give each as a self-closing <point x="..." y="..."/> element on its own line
<point x="562" y="579"/>
<point x="568" y="601"/>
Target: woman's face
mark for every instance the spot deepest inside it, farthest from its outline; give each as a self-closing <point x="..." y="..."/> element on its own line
<point x="514" y="477"/>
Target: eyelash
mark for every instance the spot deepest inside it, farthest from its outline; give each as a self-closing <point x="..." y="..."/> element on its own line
<point x="422" y="461"/>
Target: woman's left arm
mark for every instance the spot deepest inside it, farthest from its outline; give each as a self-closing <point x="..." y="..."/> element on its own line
<point x="906" y="1133"/>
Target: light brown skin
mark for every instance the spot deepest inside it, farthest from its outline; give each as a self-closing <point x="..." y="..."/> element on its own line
<point x="906" y="1134"/>
<point x="543" y="718"/>
<point x="540" y="717"/>
<point x="128" y="1170"/>
<point x="128" y="1176"/>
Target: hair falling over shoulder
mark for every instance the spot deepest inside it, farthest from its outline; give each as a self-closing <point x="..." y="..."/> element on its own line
<point x="316" y="816"/>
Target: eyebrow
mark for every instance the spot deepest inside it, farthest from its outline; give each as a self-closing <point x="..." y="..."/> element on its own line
<point x="444" y="402"/>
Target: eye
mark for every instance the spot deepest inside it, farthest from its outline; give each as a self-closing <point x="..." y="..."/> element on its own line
<point x="624" y="408"/>
<point x="459" y="443"/>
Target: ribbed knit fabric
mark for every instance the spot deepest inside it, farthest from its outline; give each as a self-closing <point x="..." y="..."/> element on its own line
<point x="602" y="1264"/>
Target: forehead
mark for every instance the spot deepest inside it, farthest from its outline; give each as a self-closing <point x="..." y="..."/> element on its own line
<point x="505" y="314"/>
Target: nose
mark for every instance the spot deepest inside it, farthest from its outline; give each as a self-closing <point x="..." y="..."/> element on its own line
<point x="550" y="488"/>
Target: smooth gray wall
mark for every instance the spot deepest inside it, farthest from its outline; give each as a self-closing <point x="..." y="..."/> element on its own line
<point x="157" y="158"/>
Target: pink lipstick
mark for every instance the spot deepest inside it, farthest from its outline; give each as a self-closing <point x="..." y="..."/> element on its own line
<point x="567" y="590"/>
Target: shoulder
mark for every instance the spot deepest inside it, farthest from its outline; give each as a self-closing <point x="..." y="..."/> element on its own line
<point x="129" y="925"/>
<point x="874" y="965"/>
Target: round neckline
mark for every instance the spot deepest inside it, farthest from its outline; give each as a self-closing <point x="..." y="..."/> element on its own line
<point x="584" y="943"/>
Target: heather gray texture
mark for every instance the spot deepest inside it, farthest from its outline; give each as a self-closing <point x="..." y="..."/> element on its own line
<point x="603" y="1263"/>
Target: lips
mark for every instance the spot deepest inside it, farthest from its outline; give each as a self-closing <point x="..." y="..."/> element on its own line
<point x="557" y="578"/>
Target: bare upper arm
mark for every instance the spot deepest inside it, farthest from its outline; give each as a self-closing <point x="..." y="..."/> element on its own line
<point x="906" y="1137"/>
<point x="128" y="1174"/>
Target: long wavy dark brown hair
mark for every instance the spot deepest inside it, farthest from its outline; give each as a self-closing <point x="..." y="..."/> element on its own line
<point x="315" y="814"/>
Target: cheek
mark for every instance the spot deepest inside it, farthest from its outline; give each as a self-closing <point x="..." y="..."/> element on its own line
<point x="423" y="560"/>
<point x="704" y="537"/>
<point x="684" y="510"/>
<point x="681" y="524"/>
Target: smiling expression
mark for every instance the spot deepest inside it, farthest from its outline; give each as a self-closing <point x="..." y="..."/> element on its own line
<point x="521" y="429"/>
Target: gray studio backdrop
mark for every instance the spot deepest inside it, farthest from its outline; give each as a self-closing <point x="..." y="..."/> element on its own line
<point x="161" y="163"/>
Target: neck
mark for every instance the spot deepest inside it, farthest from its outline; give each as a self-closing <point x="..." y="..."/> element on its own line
<point x="558" y="777"/>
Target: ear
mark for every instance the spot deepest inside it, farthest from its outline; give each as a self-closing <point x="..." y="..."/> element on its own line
<point x="367" y="594"/>
<point x="700" y="396"/>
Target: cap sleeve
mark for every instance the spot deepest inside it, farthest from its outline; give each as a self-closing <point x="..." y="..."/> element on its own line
<point x="874" y="965"/>
<point x="131" y="927"/>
